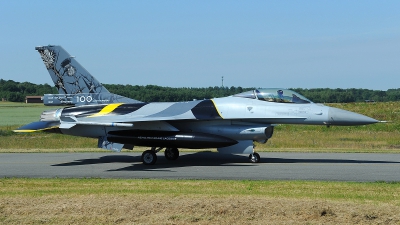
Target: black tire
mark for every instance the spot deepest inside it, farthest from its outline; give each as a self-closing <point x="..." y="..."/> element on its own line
<point x="171" y="153"/>
<point x="149" y="157"/>
<point x="254" y="158"/>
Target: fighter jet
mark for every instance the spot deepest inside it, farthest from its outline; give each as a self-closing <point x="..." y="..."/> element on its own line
<point x="230" y="124"/>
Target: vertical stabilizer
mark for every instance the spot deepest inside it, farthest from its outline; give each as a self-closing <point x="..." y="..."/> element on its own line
<point x="68" y="75"/>
<point x="76" y="86"/>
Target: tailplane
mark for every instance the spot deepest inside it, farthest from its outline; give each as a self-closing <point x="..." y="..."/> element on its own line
<point x="76" y="86"/>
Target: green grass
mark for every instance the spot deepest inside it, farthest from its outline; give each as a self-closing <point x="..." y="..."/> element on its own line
<point x="16" y="114"/>
<point x="148" y="201"/>
<point x="382" y="192"/>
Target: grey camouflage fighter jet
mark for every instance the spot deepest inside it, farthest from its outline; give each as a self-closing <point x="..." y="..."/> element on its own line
<point x="230" y="124"/>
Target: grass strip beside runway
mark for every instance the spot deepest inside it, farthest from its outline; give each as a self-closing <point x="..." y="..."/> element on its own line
<point x="147" y="201"/>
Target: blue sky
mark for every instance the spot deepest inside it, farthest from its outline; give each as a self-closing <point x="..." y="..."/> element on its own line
<point x="288" y="44"/>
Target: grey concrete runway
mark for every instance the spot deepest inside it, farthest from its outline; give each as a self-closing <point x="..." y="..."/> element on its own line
<point x="205" y="165"/>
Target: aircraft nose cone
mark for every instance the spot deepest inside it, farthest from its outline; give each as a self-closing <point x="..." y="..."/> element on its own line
<point x="347" y="118"/>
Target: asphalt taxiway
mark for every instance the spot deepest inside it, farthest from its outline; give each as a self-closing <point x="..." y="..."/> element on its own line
<point x="364" y="167"/>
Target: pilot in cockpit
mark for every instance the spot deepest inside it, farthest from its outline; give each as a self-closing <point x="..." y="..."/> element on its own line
<point x="280" y="95"/>
<point x="275" y="95"/>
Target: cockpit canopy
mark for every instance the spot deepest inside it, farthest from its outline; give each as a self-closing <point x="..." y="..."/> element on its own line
<point x="275" y="95"/>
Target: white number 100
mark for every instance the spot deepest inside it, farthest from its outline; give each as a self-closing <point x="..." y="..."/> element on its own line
<point x="84" y="99"/>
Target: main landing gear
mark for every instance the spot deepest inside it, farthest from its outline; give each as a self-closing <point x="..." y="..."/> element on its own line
<point x="149" y="157"/>
<point x="171" y="153"/>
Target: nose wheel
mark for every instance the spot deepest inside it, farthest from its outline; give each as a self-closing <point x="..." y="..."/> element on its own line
<point x="254" y="158"/>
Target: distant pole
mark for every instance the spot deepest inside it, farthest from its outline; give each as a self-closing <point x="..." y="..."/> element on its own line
<point x="222" y="81"/>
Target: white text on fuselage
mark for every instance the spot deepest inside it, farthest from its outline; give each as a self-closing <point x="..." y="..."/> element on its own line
<point x="157" y="138"/>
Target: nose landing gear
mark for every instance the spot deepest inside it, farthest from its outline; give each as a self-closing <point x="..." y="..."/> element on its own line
<point x="254" y="158"/>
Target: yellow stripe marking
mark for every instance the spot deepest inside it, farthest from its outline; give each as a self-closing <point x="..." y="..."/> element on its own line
<point x="215" y="105"/>
<point x="24" y="131"/>
<point x="28" y="131"/>
<point x="106" y="110"/>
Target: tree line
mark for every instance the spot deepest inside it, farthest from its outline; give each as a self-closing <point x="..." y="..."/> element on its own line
<point x="16" y="92"/>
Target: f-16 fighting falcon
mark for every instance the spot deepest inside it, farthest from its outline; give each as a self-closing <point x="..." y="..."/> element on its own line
<point x="230" y="124"/>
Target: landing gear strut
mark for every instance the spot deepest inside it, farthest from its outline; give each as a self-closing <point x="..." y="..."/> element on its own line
<point x="254" y="157"/>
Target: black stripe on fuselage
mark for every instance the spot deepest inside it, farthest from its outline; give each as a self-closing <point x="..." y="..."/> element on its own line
<point x="127" y="108"/>
<point x="82" y="111"/>
<point x="206" y="110"/>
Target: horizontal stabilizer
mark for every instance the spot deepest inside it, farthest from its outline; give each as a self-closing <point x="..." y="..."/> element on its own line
<point x="39" y="126"/>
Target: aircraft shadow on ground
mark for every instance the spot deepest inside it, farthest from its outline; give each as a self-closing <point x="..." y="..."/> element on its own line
<point x="186" y="160"/>
<point x="204" y="159"/>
